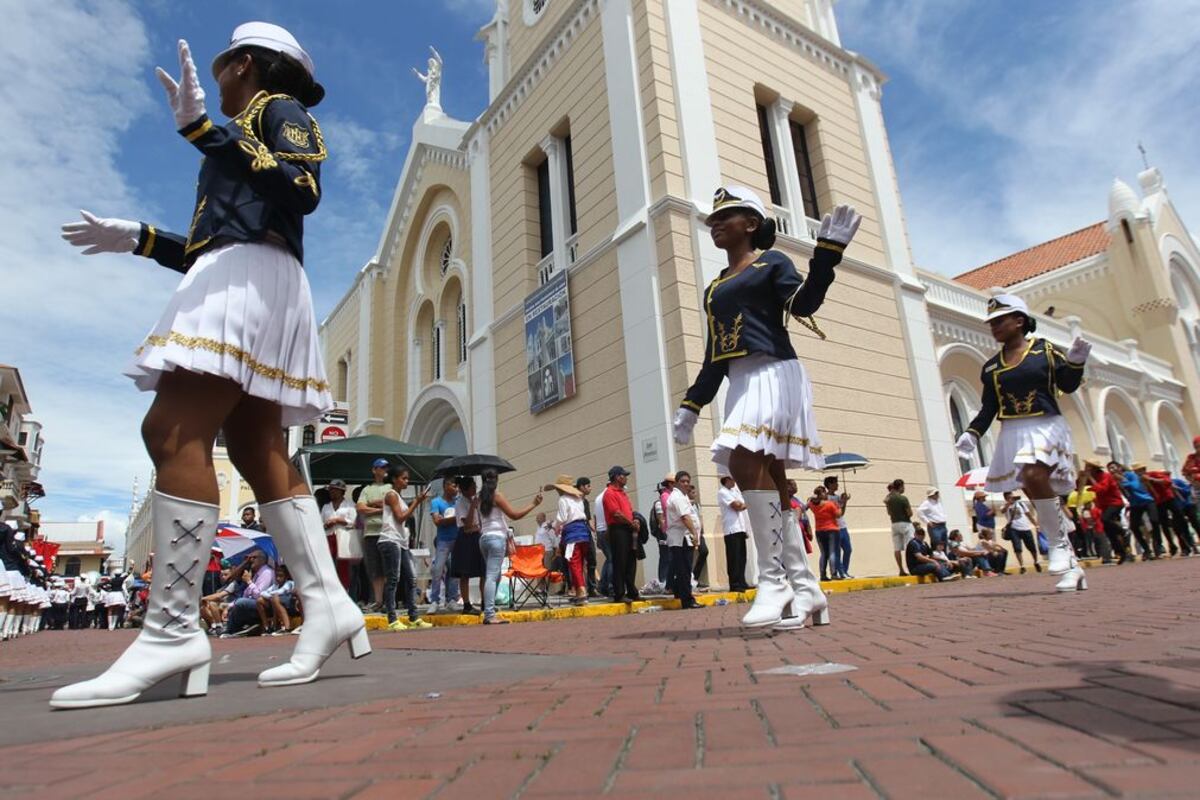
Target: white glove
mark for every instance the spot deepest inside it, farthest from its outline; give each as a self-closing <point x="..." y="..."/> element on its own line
<point x="685" y="420"/>
<point x="102" y="235"/>
<point x="186" y="97"/>
<point x="840" y="225"/>
<point x="1080" y="348"/>
<point x="966" y="445"/>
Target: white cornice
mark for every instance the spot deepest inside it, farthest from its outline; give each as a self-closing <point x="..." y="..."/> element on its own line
<point x="370" y="268"/>
<point x="406" y="198"/>
<point x="557" y="40"/>
<point x="801" y="38"/>
<point x="1071" y="276"/>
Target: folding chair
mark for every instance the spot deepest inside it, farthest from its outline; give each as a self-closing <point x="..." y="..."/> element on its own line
<point x="528" y="578"/>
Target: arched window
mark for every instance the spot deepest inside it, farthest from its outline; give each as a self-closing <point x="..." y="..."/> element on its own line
<point x="1171" y="459"/>
<point x="73" y="566"/>
<point x="447" y="249"/>
<point x="462" y="332"/>
<point x="437" y="351"/>
<point x="309" y="436"/>
<point x="1117" y="443"/>
<point x="960" y="415"/>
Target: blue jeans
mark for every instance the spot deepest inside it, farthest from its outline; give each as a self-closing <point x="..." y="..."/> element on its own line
<point x="925" y="568"/>
<point x="937" y="533"/>
<point x="242" y="614"/>
<point x="440" y="573"/>
<point x="842" y="550"/>
<point x="397" y="569"/>
<point x="492" y="547"/>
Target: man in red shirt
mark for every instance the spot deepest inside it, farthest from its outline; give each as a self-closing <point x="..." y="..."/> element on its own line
<point x="1191" y="465"/>
<point x="1108" y="504"/>
<point x="622" y="536"/>
<point x="1170" y="510"/>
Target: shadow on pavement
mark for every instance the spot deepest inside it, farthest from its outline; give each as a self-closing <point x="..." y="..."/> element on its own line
<point x="1123" y="703"/>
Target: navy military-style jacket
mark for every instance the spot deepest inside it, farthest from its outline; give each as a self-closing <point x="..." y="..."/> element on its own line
<point x="260" y="175"/>
<point x="1028" y="388"/>
<point x="747" y="312"/>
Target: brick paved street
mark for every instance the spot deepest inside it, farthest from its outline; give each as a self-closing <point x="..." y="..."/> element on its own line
<point x="989" y="688"/>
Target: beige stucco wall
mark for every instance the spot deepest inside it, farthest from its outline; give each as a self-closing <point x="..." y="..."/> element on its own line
<point x="524" y="41"/>
<point x="413" y="292"/>
<point x="571" y="96"/>
<point x="586" y="434"/>
<point x="339" y="338"/>
<point x="840" y="171"/>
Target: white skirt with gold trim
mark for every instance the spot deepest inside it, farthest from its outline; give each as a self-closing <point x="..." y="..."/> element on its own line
<point x="1045" y="440"/>
<point x="243" y="312"/>
<point x="769" y="409"/>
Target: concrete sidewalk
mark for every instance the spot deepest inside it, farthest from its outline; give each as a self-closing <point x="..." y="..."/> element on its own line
<point x="986" y="688"/>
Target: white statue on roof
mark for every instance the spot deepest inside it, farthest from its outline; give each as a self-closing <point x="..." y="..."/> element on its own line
<point x="432" y="80"/>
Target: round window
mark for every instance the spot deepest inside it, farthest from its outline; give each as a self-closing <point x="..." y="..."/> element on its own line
<point x="534" y="9"/>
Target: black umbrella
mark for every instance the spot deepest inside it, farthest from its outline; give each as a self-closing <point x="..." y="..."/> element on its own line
<point x="472" y="464"/>
<point x="846" y="462"/>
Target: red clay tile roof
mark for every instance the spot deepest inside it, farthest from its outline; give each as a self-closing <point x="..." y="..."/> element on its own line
<point x="1039" y="259"/>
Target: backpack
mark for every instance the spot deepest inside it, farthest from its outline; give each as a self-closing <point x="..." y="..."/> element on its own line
<point x="655" y="525"/>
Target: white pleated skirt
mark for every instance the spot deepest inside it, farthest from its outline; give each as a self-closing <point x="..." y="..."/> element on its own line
<point x="16" y="581"/>
<point x="769" y="409"/>
<point x="1045" y="440"/>
<point x="243" y="312"/>
<point x="5" y="588"/>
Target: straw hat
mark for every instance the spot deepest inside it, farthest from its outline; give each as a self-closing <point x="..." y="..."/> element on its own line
<point x="564" y="484"/>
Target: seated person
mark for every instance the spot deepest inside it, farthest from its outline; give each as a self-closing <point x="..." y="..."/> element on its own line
<point x="918" y="557"/>
<point x="997" y="554"/>
<point x="275" y="604"/>
<point x="977" y="555"/>
<point x="214" y="607"/>
<point x="963" y="566"/>
<point x="243" y="613"/>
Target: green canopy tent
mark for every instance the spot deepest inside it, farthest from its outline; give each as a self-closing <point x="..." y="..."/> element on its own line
<point x="350" y="459"/>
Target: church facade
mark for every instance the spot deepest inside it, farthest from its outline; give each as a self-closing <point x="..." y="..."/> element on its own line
<point x="537" y="287"/>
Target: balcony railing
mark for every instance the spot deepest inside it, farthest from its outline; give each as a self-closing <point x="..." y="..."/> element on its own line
<point x="783" y="219"/>
<point x="573" y="248"/>
<point x="947" y="294"/>
<point x="545" y="269"/>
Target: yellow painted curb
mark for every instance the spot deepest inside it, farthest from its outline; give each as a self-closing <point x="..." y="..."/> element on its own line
<point x="378" y="622"/>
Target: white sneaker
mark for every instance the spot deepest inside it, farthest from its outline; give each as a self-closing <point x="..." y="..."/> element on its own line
<point x="433" y="608"/>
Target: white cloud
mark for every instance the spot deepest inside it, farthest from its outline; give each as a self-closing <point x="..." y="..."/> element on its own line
<point x="480" y="9"/>
<point x="361" y="160"/>
<point x="77" y="78"/>
<point x="1024" y="128"/>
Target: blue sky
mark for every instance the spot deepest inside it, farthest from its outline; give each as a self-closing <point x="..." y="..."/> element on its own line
<point x="1008" y="122"/>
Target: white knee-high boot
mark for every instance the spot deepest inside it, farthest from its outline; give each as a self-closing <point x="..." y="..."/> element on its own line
<point x="330" y="617"/>
<point x="808" y="600"/>
<point x="767" y="524"/>
<point x="1062" y="560"/>
<point x="171" y="641"/>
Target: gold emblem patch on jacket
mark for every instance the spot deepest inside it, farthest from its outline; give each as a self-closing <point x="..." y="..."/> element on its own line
<point x="296" y="135"/>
